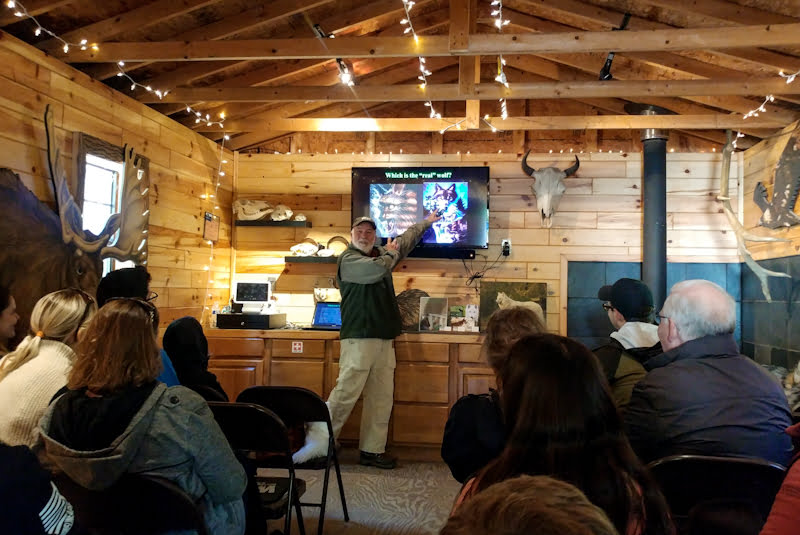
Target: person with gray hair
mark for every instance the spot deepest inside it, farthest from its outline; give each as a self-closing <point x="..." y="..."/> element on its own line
<point x="701" y="396"/>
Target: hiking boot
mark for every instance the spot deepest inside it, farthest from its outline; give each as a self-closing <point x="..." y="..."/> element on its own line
<point x="378" y="460"/>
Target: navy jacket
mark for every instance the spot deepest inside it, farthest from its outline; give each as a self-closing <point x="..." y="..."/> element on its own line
<point x="704" y="398"/>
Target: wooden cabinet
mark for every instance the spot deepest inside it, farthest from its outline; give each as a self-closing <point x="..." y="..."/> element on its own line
<point x="433" y="371"/>
<point x="238" y="363"/>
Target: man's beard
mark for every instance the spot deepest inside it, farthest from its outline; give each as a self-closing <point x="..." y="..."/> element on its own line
<point x="364" y="246"/>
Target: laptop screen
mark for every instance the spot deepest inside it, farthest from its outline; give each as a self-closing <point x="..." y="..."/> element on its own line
<point x="327" y="314"/>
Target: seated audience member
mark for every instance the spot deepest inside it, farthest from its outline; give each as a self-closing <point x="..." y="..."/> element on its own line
<point x="629" y="304"/>
<point x="784" y="517"/>
<point x="474" y="432"/>
<point x="561" y="421"/>
<point x="187" y="348"/>
<point x="8" y="319"/>
<point x="135" y="282"/>
<point x="116" y="418"/>
<point x="529" y="504"/>
<point x="701" y="396"/>
<point x="31" y="502"/>
<point x="38" y="368"/>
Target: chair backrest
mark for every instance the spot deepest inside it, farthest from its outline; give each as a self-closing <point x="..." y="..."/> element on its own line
<point x="251" y="427"/>
<point x="208" y="393"/>
<point x="691" y="480"/>
<point x="136" y="504"/>
<point x="294" y="405"/>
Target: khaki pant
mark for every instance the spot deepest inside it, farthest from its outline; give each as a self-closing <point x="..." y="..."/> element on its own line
<point x="366" y="365"/>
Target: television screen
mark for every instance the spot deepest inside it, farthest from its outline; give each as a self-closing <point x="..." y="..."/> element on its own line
<point x="398" y="197"/>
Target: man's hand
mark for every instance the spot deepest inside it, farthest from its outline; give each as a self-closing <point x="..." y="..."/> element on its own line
<point x="392" y="244"/>
<point x="433" y="217"/>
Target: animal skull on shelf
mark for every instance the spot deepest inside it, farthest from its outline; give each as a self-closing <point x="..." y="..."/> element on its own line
<point x="548" y="186"/>
<point x="251" y="209"/>
<point x="281" y="213"/>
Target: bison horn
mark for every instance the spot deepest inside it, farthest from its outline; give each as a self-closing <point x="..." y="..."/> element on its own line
<point x="525" y="167"/>
<point x="571" y="170"/>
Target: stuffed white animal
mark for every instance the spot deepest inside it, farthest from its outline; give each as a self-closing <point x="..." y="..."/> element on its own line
<point x="504" y="301"/>
<point x="316" y="444"/>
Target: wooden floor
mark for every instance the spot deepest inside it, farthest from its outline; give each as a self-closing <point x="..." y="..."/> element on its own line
<point x="413" y="499"/>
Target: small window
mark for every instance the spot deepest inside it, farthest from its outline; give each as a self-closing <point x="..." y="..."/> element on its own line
<point x="100" y="172"/>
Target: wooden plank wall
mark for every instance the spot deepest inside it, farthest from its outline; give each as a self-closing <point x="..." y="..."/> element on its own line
<point x="759" y="166"/>
<point x="183" y="166"/>
<point x="599" y="218"/>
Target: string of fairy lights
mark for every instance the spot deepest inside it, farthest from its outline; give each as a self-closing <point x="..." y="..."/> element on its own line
<point x="499" y="23"/>
<point x="423" y="70"/>
<point x="790" y="78"/>
<point x="213" y="197"/>
<point x="19" y="10"/>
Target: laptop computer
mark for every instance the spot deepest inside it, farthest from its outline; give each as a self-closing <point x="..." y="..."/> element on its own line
<point x="327" y="317"/>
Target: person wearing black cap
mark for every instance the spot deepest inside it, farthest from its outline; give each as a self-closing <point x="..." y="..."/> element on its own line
<point x="370" y="323"/>
<point x="700" y="396"/>
<point x="629" y="304"/>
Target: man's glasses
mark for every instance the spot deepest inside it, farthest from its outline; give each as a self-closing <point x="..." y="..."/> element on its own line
<point x="608" y="306"/>
<point x="151" y="295"/>
<point x="660" y="317"/>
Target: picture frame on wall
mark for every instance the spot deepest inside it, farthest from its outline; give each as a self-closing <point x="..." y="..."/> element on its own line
<point x="210" y="227"/>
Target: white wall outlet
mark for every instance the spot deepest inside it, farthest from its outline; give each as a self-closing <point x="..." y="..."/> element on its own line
<point x="505" y="247"/>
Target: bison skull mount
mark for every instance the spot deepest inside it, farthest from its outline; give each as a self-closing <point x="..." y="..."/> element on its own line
<point x="548" y="186"/>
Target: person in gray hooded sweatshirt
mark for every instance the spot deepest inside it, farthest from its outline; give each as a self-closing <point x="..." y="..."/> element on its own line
<point x="116" y="419"/>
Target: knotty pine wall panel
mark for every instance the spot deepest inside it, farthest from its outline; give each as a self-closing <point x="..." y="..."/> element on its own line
<point x="183" y="166"/>
<point x="600" y="217"/>
<point x="759" y="166"/>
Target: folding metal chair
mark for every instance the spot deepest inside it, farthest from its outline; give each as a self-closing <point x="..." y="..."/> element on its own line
<point x="252" y="428"/>
<point x="297" y="405"/>
<point x="705" y="491"/>
<point x="136" y="504"/>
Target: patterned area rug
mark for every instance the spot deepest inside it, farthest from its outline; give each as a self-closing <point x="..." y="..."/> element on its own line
<point x="413" y="499"/>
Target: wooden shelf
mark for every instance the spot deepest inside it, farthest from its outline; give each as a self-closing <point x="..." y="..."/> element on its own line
<point x="310" y="259"/>
<point x="268" y="223"/>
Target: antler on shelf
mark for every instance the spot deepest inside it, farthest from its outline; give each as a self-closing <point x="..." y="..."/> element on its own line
<point x="742" y="235"/>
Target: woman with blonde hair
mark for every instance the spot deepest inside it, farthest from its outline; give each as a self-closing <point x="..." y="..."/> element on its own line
<point x="474" y="432"/>
<point x="32" y="373"/>
<point x="116" y="418"/>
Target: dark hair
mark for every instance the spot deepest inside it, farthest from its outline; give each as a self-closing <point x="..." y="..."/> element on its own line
<point x="126" y="282"/>
<point x="5" y="297"/>
<point x="187" y="347"/>
<point x="504" y="328"/>
<point x="561" y="421"/>
<point x="525" y="505"/>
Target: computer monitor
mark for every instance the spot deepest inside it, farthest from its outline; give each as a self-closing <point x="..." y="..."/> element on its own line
<point x="253" y="293"/>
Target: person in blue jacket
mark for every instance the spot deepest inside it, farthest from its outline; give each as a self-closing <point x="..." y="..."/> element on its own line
<point x="135" y="282"/>
<point x="701" y="396"/>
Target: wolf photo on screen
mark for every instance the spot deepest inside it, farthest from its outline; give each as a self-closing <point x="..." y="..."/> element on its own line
<point x="450" y="199"/>
<point x="397" y="197"/>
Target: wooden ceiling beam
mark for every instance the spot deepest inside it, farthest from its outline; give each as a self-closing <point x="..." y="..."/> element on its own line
<point x="479" y="44"/>
<point x="34" y="8"/>
<point x="136" y="19"/>
<point x="484" y="91"/>
<point x="576" y="122"/>
<point x="588" y="63"/>
<point x="261" y="15"/>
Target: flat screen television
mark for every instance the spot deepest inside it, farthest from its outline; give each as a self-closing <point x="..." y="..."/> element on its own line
<point x="398" y="197"/>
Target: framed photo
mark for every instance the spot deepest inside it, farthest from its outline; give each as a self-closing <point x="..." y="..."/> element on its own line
<point x="210" y="227"/>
